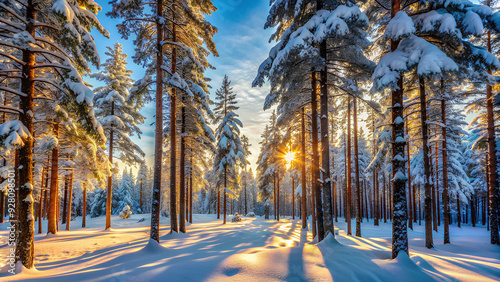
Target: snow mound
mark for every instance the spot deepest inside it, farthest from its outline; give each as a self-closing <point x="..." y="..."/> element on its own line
<point x="153" y="247"/>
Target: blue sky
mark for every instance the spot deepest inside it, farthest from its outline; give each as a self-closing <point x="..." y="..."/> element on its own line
<point x="242" y="44"/>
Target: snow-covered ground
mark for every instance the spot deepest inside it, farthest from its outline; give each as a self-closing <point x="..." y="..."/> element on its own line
<point x="252" y="250"/>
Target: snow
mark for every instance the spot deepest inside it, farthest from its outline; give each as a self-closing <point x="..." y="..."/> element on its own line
<point x="62" y="7"/>
<point x="253" y="250"/>
<point x="399" y="27"/>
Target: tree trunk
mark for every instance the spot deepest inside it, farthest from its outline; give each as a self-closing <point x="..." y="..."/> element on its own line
<point x="275" y="196"/>
<point x="70" y="200"/>
<point x="303" y="198"/>
<point x="349" y="168"/>
<point x="110" y="177"/>
<point x="325" y="148"/>
<point x="399" y="228"/>
<point x="40" y="203"/>
<point x="182" y="168"/>
<point x="191" y="190"/>
<point x="278" y="195"/>
<point x="218" y="203"/>
<point x="225" y="187"/>
<point x="384" y="199"/>
<point x="65" y="200"/>
<point x="316" y="185"/>
<point x="158" y="151"/>
<point x="428" y="192"/>
<point x="410" y="208"/>
<point x="444" y="151"/>
<point x="494" y="191"/>
<point x="437" y="185"/>
<point x="140" y="196"/>
<point x="293" y="198"/>
<point x="54" y="186"/>
<point x="356" y="165"/>
<point x="459" y="212"/>
<point x="25" y="224"/>
<point x="84" y="212"/>
<point x="433" y="191"/>
<point x="245" y="187"/>
<point x="2" y="205"/>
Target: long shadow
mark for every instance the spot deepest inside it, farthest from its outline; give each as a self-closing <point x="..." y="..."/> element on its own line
<point x="148" y="265"/>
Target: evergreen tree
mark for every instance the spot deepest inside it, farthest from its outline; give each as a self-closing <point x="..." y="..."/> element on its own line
<point x="230" y="151"/>
<point x="118" y="112"/>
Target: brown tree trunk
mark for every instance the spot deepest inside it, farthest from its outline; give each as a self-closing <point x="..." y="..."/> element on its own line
<point x="444" y="150"/>
<point x="191" y="171"/>
<point x="182" y="167"/>
<point x="225" y="187"/>
<point x="70" y="200"/>
<point x="384" y="199"/>
<point x="303" y="197"/>
<point x="356" y="165"/>
<point x="316" y="185"/>
<point x="110" y="177"/>
<point x="25" y="225"/>
<point x="278" y="195"/>
<point x="428" y="191"/>
<point x="140" y="196"/>
<point x="349" y="167"/>
<point x="410" y="208"/>
<point x="65" y="200"/>
<point x="434" y="193"/>
<point x="438" y="205"/>
<point x="40" y="203"/>
<point x="494" y="191"/>
<point x="84" y="212"/>
<point x="459" y="212"/>
<point x="54" y="186"/>
<point x="218" y="203"/>
<point x="158" y="150"/>
<point x="293" y="198"/>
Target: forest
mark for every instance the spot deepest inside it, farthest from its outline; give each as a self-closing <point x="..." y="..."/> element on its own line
<point x="377" y="156"/>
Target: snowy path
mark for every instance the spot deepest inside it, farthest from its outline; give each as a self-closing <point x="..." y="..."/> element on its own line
<point x="255" y="250"/>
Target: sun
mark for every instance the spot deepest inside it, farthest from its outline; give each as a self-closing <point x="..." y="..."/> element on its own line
<point x="289" y="157"/>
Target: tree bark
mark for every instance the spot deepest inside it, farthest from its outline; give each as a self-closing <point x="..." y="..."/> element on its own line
<point x="459" y="212"/>
<point x="218" y="203"/>
<point x="278" y="195"/>
<point x="84" y="212"/>
<point x="40" y="203"/>
<point x="356" y="165"/>
<point x="494" y="190"/>
<point x="156" y="196"/>
<point x="110" y="177"/>
<point x="191" y="190"/>
<point x="182" y="167"/>
<point x="325" y="147"/>
<point x="65" y="200"/>
<point x="225" y="187"/>
<point x="303" y="167"/>
<point x="70" y="200"/>
<point x="25" y="224"/>
<point x="444" y="150"/>
<point x="349" y="168"/>
<point x="54" y="186"/>
<point x="316" y="185"/>
<point x="410" y="208"/>
<point x="425" y="148"/>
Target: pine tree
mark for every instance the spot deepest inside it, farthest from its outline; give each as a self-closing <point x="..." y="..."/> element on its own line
<point x="118" y="112"/>
<point x="230" y="151"/>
